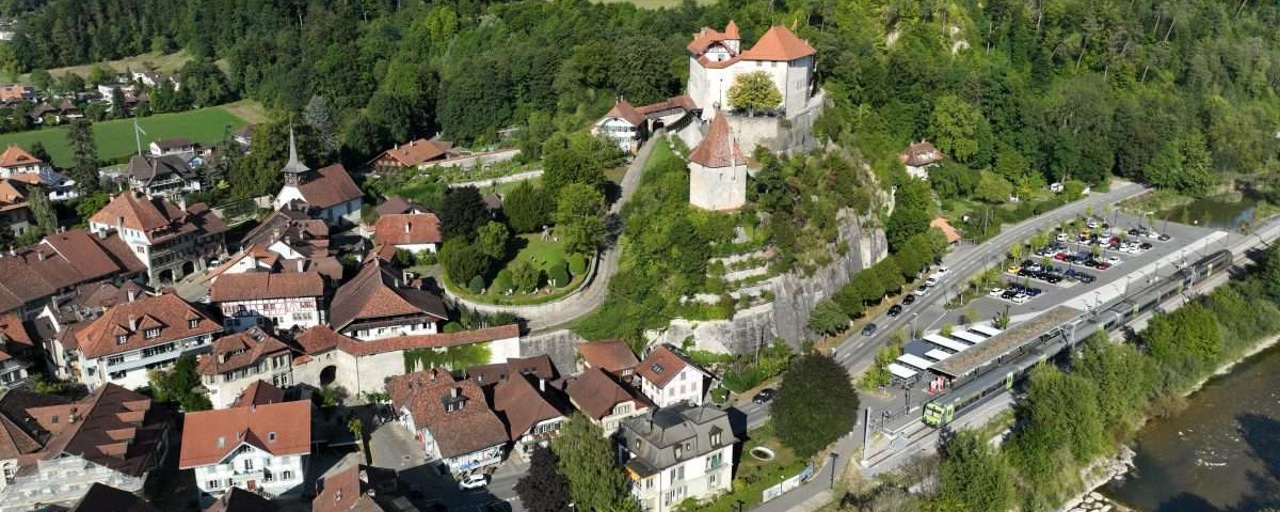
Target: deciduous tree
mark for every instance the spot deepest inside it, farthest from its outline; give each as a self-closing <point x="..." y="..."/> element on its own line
<point x="580" y="218"/>
<point x="587" y="462"/>
<point x="527" y="208"/>
<point x="462" y="213"/>
<point x="974" y="476"/>
<point x="816" y="404"/>
<point x="754" y="91"/>
<point x="493" y="237"/>
<point x="543" y="488"/>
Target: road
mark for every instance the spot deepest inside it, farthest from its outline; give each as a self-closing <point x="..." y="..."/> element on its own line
<point x="544" y="317"/>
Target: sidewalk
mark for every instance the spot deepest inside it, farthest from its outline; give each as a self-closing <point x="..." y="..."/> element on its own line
<point x="817" y="492"/>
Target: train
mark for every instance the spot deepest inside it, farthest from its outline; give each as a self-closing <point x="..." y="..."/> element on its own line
<point x="943" y="409"/>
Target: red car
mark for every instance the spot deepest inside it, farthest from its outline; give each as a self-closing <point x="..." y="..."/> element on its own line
<point x="1102" y="265"/>
<point x="1060" y="256"/>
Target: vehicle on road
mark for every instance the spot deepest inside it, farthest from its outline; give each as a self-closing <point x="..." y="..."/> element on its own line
<point x="931" y="281"/>
<point x="1102" y="265"/>
<point x="942" y="271"/>
<point x="1113" y="259"/>
<point x="764" y="396"/>
<point x="995" y="292"/>
<point x="1020" y="298"/>
<point x="473" y="482"/>
<point x="895" y="310"/>
<point x="908" y="300"/>
<point x="869" y="330"/>
<point x="921" y="290"/>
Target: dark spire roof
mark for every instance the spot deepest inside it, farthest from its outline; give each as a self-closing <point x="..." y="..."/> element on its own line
<point x="294" y="166"/>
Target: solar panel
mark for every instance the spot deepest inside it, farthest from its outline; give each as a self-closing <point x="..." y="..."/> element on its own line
<point x="984" y="329"/>
<point x="968" y="336"/>
<point x="937" y="355"/>
<point x="915" y="361"/>
<point x="900" y="371"/>
<point x="945" y="342"/>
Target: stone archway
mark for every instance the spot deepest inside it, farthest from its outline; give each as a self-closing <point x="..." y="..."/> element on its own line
<point x="188" y="268"/>
<point x="328" y="375"/>
<point x="165" y="276"/>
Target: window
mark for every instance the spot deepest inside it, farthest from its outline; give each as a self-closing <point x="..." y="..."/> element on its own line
<point x="268" y="476"/>
<point x="248" y="464"/>
<point x="711" y="480"/>
<point x="271" y="436"/>
<point x="715" y="439"/>
<point x="213" y="484"/>
<point x="114" y="360"/>
<point x="192" y="323"/>
<point x="152" y="333"/>
<point x="121" y="339"/>
<point x="677" y="474"/>
<point x="286" y="475"/>
<point x="679" y="451"/>
<point x="54" y="420"/>
<point x="715" y="461"/>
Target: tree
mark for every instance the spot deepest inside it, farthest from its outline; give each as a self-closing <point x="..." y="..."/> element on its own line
<point x="84" y="150"/>
<point x="1183" y="343"/>
<point x="754" y="91"/>
<point x="38" y="150"/>
<point x="179" y="384"/>
<point x="543" y="488"/>
<point x="318" y="116"/>
<point x="816" y="404"/>
<point x="828" y="318"/>
<point x="258" y="172"/>
<point x="993" y="189"/>
<point x="463" y="260"/>
<point x="577" y="158"/>
<point x="493" y="237"/>
<point x="117" y="103"/>
<point x="42" y="209"/>
<point x="462" y="213"/>
<point x="1059" y="413"/>
<point x="524" y="276"/>
<point x="41" y="79"/>
<point x="580" y="218"/>
<point x="974" y="478"/>
<point x="587" y="462"/>
<point x="955" y="127"/>
<point x="356" y="428"/>
<point x="1124" y="378"/>
<point x="527" y="208"/>
<point x="99" y="75"/>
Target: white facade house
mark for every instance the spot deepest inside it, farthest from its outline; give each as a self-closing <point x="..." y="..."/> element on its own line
<point x="669" y="378"/>
<point x="450" y="419"/>
<point x="329" y="193"/>
<point x="623" y="125"/>
<point x="17" y="163"/>
<point x="172" y="242"/>
<point x="260" y="448"/>
<point x="604" y="401"/>
<point x="178" y="146"/>
<point x="238" y="361"/>
<point x="146" y="333"/>
<point x="169" y="176"/>
<point x="282" y="300"/>
<point x="919" y="157"/>
<point x="380" y="303"/>
<point x="718" y="170"/>
<point x="716" y="60"/>
<point x="677" y="453"/>
<point x="413" y="232"/>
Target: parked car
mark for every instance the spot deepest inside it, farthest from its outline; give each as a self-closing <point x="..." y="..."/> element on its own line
<point x="764" y="396"/>
<point x="1113" y="259"/>
<point x="1020" y="298"/>
<point x="1034" y="292"/>
<point x="1008" y="294"/>
<point x="921" y="290"/>
<point x="895" y="310"/>
<point x="995" y="292"/>
<point x="931" y="281"/>
<point x="1102" y="265"/>
<point x="908" y="300"/>
<point x="869" y="330"/>
<point x="473" y="482"/>
<point x="1164" y="238"/>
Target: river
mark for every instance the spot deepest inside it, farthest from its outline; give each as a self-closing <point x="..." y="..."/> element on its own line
<point x="1222" y="453"/>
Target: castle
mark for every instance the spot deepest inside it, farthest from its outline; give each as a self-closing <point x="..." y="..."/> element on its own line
<point x="716" y="60"/>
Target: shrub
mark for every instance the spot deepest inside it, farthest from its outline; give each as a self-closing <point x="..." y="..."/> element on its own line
<point x="577" y="264"/>
<point x="558" y="273"/>
<point x="502" y="283"/>
<point x="476" y="285"/>
<point x="427" y="258"/>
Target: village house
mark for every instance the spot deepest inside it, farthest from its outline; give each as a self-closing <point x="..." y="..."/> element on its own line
<point x="146" y="333"/>
<point x="604" y="401"/>
<point x="16" y="93"/>
<point x="522" y="396"/>
<point x="32" y="277"/>
<point x="238" y="361"/>
<point x="413" y="232"/>
<point x="919" y="157"/>
<point x="112" y="437"/>
<point x="613" y="357"/>
<point x="262" y="448"/>
<point x="171" y="242"/>
<point x="179" y="146"/>
<point x="379" y="303"/>
<point x="15" y="209"/>
<point x="358" y="488"/>
<point x="244" y="136"/>
<point x="331" y="359"/>
<point x="20" y="436"/>
<point x="450" y="419"/>
<point x="718" y="170"/>
<point x="17" y="163"/>
<point x="399" y="205"/>
<point x="676" y="453"/>
<point x="167" y="176"/>
<point x="240" y="500"/>
<point x="259" y="392"/>
<point x="152" y="79"/>
<point x="668" y="377"/>
<point x="629" y="126"/>
<point x="417" y="154"/>
<point x="716" y="60"/>
<point x="293" y="300"/>
<point x="18" y="352"/>
<point x="329" y="192"/>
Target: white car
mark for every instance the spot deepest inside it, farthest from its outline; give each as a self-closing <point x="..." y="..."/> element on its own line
<point x="1020" y="298"/>
<point x="921" y="291"/>
<point x="1062" y="237"/>
<point x="931" y="281"/>
<point x="1114" y="260"/>
<point x="473" y="482"/>
<point x="995" y="292"/>
<point x="942" y="271"/>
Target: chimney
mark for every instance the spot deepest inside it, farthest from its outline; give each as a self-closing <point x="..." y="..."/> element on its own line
<point x="133" y="323"/>
<point x="302" y="265"/>
<point x="40" y="255"/>
<point x="407" y="225"/>
<point x="133" y="295"/>
<point x="542" y="384"/>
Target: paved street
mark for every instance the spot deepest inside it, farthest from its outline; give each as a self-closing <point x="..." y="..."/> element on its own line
<point x="393" y="446"/>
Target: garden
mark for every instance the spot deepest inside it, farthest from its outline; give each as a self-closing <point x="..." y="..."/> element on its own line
<point x="539" y="269"/>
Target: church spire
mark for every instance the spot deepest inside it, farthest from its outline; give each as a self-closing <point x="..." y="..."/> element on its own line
<point x="293" y="170"/>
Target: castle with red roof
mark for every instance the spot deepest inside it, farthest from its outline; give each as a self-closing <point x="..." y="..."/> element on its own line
<point x="716" y="59"/>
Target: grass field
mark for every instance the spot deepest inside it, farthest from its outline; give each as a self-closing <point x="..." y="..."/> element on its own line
<point x="115" y="138"/>
<point x="154" y="61"/>
<point x="654" y="4"/>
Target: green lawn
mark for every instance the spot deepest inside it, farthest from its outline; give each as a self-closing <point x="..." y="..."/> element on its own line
<point x="531" y="248"/>
<point x="116" y="139"/>
<point x="752" y="476"/>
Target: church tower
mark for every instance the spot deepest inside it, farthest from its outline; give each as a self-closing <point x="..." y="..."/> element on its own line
<point x="295" y="172"/>
<point x="717" y="170"/>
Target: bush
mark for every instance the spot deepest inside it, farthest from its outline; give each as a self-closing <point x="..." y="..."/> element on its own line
<point x="558" y="273"/>
<point x="577" y="264"/>
<point x="476" y="285"/>
<point x="719" y="395"/>
<point x="454" y="327"/>
<point x="427" y="258"/>
<point x="502" y="283"/>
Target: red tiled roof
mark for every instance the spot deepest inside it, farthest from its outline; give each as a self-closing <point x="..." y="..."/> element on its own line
<point x="612" y="356"/>
<point x="719" y="148"/>
<point x="662" y="365"/>
<point x="407" y="229"/>
<point x="920" y="154"/>
<point x="946" y="228"/>
<point x="675" y="102"/>
<point x="12" y="330"/>
<point x="708" y="36"/>
<point x="349" y="490"/>
<point x="330" y="187"/>
<point x="521" y="406"/>
<point x="418" y="152"/>
<point x="240" y="350"/>
<point x="624" y="111"/>
<point x="259" y="392"/>
<point x="319" y="339"/>
<point x="279" y="429"/>
<point x="394" y="205"/>
<point x="322" y="338"/>
<point x="139" y="213"/>
<point x="779" y="44"/>
<point x="596" y="394"/>
<point x="15" y="156"/>
<point x="39" y="271"/>
<point x="539" y="366"/>
<point x="373" y="294"/>
<point x="264" y="285"/>
<point x="80" y="249"/>
<point x="469" y="427"/>
<point x="114" y="427"/>
<point x="168" y="312"/>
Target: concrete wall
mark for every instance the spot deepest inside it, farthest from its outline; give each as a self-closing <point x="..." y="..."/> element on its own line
<point x="795" y="298"/>
<point x="559" y="345"/>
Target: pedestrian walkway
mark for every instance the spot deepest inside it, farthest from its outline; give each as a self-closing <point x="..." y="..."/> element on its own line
<point x="816" y="493"/>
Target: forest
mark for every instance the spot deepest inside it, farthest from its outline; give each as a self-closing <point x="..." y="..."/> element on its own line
<point x="1180" y="93"/>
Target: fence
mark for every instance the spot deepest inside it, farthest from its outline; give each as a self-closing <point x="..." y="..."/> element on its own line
<point x="788" y="484"/>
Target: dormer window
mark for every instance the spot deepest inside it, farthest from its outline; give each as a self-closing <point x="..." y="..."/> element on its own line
<point x="271" y="437"/>
<point x="152" y="333"/>
<point x="192" y="323"/>
<point x="715" y="437"/>
<point x="121" y="339"/>
<point x="679" y="452"/>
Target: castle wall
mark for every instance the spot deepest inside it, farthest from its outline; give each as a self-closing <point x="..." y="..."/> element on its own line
<point x="718" y="189"/>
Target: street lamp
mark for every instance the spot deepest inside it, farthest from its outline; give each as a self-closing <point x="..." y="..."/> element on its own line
<point x="914" y="316"/>
<point x="833" y="456"/>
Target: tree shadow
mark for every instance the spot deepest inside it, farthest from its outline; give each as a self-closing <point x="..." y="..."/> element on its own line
<point x="1186" y="502"/>
<point x="1262" y="434"/>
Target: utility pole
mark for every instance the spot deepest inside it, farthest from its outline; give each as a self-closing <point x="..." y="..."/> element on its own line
<point x="866" y="435"/>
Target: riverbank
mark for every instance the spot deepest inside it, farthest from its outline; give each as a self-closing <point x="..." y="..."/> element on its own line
<point x="1109" y="469"/>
